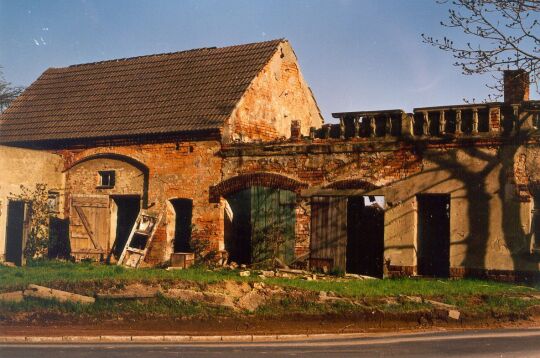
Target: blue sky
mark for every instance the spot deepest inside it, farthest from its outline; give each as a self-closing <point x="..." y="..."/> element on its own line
<point x="355" y="54"/>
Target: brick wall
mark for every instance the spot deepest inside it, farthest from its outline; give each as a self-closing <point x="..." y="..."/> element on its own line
<point x="488" y="180"/>
<point x="175" y="170"/>
<point x="332" y="164"/>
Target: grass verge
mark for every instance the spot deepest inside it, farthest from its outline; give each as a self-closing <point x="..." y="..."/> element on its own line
<point x="472" y="297"/>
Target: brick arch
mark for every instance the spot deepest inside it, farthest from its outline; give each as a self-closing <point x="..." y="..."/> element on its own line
<point x="120" y="157"/>
<point x="244" y="181"/>
<point x="352" y="184"/>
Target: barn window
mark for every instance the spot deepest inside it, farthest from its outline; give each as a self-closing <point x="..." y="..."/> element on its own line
<point x="53" y="202"/>
<point x="106" y="178"/>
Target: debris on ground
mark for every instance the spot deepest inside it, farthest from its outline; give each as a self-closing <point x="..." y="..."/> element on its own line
<point x="360" y="277"/>
<point x="451" y="311"/>
<point x="454" y="314"/>
<point x="133" y="291"/>
<point x="62" y="296"/>
<point x="184" y="294"/>
<point x="244" y="273"/>
<point x="251" y="301"/>
<point x="16" y="296"/>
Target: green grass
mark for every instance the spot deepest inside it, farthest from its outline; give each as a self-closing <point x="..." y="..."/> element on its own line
<point x="47" y="272"/>
<point x="159" y="307"/>
<point x="407" y="286"/>
<point x="471" y="296"/>
<point x="58" y="273"/>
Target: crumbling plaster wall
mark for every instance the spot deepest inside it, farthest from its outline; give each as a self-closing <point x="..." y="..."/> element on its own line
<point x="25" y="167"/>
<point x="489" y="220"/>
<point x="175" y="170"/>
<point x="485" y="212"/>
<point x="277" y="96"/>
<point x="83" y="178"/>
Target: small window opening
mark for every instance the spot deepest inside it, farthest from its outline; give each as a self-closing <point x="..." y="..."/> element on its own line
<point x="106" y="178"/>
<point x="53" y="202"/>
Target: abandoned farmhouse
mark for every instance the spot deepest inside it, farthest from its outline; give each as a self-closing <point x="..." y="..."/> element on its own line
<point x="227" y="146"/>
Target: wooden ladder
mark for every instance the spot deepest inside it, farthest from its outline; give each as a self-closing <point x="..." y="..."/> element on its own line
<point x="139" y="239"/>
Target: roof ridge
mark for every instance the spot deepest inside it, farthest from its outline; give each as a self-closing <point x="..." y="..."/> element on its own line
<point x="278" y="40"/>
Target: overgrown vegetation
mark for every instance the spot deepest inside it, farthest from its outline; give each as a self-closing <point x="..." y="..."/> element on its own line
<point x="39" y="214"/>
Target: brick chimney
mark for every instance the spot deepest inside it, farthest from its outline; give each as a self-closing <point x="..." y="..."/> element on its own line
<point x="296" y="130"/>
<point x="516" y="86"/>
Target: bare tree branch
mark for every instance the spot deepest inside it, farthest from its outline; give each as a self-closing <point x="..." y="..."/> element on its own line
<point x="504" y="34"/>
<point x="7" y="92"/>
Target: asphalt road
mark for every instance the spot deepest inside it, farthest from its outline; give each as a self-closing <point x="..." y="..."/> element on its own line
<point x="499" y="343"/>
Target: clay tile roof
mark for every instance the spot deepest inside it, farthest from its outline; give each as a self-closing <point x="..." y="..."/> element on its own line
<point x="176" y="92"/>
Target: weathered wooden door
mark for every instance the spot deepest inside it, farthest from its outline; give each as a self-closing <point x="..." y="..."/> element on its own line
<point x="262" y="225"/>
<point x="90" y="226"/>
<point x="329" y="232"/>
<point x="272" y="224"/>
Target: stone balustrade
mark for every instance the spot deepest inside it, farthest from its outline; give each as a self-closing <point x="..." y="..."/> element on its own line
<point x="474" y="120"/>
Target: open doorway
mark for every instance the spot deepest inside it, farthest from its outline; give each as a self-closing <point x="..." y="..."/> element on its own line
<point x="127" y="210"/>
<point x="238" y="227"/>
<point x="183" y="210"/>
<point x="433" y="243"/>
<point x="365" y="235"/>
<point x="15" y="232"/>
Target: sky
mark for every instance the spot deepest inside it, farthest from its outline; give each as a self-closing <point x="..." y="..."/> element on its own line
<point x="354" y="54"/>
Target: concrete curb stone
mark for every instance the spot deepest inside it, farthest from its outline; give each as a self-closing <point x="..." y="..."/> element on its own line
<point x="76" y="339"/>
<point x="147" y="338"/>
<point x="245" y="338"/>
<point x="13" y="339"/>
<point x="56" y="339"/>
<point x="261" y="338"/>
<point x="170" y="338"/>
<point x="281" y="337"/>
<point x="115" y="338"/>
<point x="205" y="338"/>
<point x="176" y="338"/>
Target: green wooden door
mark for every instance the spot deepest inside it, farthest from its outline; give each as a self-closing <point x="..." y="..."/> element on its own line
<point x="272" y="223"/>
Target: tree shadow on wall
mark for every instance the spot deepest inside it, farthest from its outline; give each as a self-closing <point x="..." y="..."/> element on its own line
<point x="479" y="209"/>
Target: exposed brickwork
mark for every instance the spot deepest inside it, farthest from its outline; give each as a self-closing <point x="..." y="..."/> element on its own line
<point x="275" y="98"/>
<point x="325" y="162"/>
<point x="175" y="170"/>
<point x="303" y="227"/>
<point x="516" y="86"/>
<point x="352" y="184"/>
<point x="393" y="271"/>
<point x="296" y="130"/>
<point x="245" y="181"/>
<point x="498" y="275"/>
<point x="495" y="119"/>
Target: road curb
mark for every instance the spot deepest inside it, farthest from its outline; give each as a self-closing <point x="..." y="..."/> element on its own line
<point x="170" y="338"/>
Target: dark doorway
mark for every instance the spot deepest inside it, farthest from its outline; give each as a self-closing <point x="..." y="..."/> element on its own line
<point x="433" y="235"/>
<point x="183" y="209"/>
<point x="365" y="237"/>
<point x="128" y="208"/>
<point x="15" y="232"/>
<point x="238" y="227"/>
